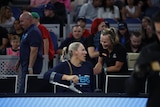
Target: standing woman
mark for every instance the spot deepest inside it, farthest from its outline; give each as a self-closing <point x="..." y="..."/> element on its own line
<point x="76" y="69"/>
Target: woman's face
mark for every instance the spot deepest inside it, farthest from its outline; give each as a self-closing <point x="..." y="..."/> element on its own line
<point x="102" y="26"/>
<point x="81" y="53"/>
<point x="16" y="24"/>
<point x="145" y="23"/>
<point x="106" y="41"/>
<point x="8" y="13"/>
<point x="77" y="32"/>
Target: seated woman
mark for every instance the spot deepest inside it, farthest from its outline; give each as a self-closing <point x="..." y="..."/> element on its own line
<point x="75" y="70"/>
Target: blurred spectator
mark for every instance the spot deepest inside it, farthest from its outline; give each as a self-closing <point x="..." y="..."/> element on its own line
<point x="37" y="3"/>
<point x="109" y="10"/>
<point x="60" y="9"/>
<point x="93" y="41"/>
<point x="148" y="35"/>
<point x="67" y="4"/>
<point x="6" y="17"/>
<point x="90" y="10"/>
<point x="76" y="37"/>
<point x="135" y="43"/>
<point x="81" y="21"/>
<point x="48" y="48"/>
<point x="14" y="49"/>
<point x="26" y="8"/>
<point x="131" y="10"/>
<point x="75" y="3"/>
<point x="123" y="33"/>
<point x="50" y="17"/>
<point x="17" y="29"/>
<point x="3" y="38"/>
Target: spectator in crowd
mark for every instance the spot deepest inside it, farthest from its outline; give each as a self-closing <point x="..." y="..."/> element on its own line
<point x="90" y="10"/>
<point x="27" y="8"/>
<point x="147" y="68"/>
<point x="67" y="4"/>
<point x="14" y="49"/>
<point x="6" y="17"/>
<point x="37" y="3"/>
<point x="48" y="48"/>
<point x="130" y="10"/>
<point x="93" y="41"/>
<point x="109" y="10"/>
<point x="17" y="29"/>
<point x="123" y="33"/>
<point x="112" y="54"/>
<point x="135" y="43"/>
<point x="92" y="44"/>
<point x="148" y="35"/>
<point x="60" y="9"/>
<point x="81" y="21"/>
<point x="149" y="7"/>
<point x="3" y="38"/>
<point x="76" y="70"/>
<point x="50" y="17"/>
<point x="76" y="37"/>
<point x="30" y="48"/>
<point x="76" y="3"/>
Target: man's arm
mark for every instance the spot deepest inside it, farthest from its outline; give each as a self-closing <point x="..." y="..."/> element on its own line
<point x="32" y="58"/>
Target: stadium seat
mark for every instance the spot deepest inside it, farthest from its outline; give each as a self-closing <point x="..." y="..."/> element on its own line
<point x="115" y="83"/>
<point x="38" y="10"/>
<point x="112" y="22"/>
<point x="16" y="12"/>
<point x="134" y="24"/>
<point x="133" y="21"/>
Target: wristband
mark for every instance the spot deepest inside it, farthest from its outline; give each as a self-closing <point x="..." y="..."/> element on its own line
<point x="105" y="70"/>
<point x="30" y="69"/>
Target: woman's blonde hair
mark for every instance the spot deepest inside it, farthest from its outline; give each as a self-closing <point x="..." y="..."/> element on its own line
<point x="112" y="34"/>
<point x="3" y="13"/>
<point x="67" y="52"/>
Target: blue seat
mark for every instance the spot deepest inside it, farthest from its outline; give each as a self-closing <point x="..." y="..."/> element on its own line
<point x="54" y="40"/>
<point x="38" y="10"/>
<point x="134" y="24"/>
<point x="88" y="21"/>
<point x="111" y="21"/>
<point x="133" y="21"/>
<point x="16" y="12"/>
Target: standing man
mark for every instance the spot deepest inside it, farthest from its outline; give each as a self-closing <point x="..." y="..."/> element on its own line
<point x="147" y="68"/>
<point x="31" y="59"/>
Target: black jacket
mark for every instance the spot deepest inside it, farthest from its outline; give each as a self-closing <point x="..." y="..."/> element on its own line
<point x="144" y="71"/>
